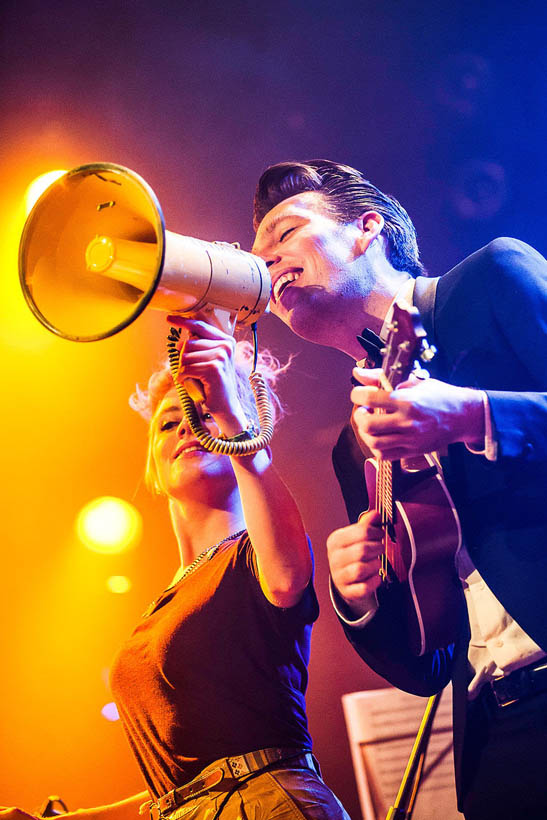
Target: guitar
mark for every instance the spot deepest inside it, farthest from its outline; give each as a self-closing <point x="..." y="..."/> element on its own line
<point x="421" y="528"/>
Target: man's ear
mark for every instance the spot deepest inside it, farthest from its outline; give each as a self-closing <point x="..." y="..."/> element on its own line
<point x="370" y="224"/>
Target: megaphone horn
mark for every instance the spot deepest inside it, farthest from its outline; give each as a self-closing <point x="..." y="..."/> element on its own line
<point x="94" y="253"/>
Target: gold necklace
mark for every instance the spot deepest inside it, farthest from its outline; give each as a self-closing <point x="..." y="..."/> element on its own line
<point x="210" y="552"/>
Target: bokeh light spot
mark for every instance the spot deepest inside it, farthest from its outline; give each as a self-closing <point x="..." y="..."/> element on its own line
<point x="110" y="711"/>
<point x="38" y="186"/>
<point x="109" y="525"/>
<point x="118" y="584"/>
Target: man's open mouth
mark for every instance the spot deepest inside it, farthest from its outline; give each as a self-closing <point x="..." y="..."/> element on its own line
<point x="283" y="282"/>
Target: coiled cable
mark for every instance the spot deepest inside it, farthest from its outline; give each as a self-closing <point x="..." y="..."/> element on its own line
<point x="224" y="446"/>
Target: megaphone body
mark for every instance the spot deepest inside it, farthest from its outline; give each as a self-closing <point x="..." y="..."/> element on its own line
<point x="94" y="253"/>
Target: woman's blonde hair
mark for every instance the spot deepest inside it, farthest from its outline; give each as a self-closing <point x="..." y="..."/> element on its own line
<point x="146" y="402"/>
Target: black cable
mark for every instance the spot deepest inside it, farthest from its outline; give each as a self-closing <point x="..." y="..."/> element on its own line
<point x="255" y="345"/>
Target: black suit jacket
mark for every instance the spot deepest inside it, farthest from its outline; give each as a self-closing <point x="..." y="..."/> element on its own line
<point x="488" y="321"/>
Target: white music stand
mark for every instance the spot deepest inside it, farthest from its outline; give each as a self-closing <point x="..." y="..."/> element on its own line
<point x="382" y="725"/>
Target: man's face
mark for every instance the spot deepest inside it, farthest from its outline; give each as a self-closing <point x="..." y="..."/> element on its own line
<point x="312" y="261"/>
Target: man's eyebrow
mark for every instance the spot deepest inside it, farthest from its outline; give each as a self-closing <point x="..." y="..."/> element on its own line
<point x="277" y="220"/>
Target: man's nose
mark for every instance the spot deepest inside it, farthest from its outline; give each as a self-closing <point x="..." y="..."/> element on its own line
<point x="272" y="259"/>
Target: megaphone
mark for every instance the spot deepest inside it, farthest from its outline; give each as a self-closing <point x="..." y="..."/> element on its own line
<point x="94" y="253"/>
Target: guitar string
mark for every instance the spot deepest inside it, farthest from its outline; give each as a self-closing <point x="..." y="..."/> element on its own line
<point x="384" y="487"/>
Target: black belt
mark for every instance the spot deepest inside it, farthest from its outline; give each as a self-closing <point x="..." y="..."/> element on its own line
<point x="522" y="683"/>
<point x="231" y="768"/>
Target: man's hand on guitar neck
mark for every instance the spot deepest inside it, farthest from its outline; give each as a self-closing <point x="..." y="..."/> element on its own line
<point x="354" y="561"/>
<point x="420" y="416"/>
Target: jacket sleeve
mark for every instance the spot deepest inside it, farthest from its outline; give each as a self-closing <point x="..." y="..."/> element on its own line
<point x="518" y="282"/>
<point x="382" y="644"/>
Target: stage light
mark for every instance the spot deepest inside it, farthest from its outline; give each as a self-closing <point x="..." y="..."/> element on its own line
<point x="118" y="584"/>
<point x="110" y="711"/>
<point x="109" y="525"/>
<point x="464" y="83"/>
<point x="38" y="186"/>
<point x="478" y="190"/>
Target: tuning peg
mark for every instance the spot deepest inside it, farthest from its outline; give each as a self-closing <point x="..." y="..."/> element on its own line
<point x="428" y="352"/>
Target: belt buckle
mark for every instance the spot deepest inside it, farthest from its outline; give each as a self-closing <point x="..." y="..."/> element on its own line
<point x="506" y="691"/>
<point x="168" y="803"/>
<point x="152" y="809"/>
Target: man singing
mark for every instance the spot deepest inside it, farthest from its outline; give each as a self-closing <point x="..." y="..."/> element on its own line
<point x="340" y="253"/>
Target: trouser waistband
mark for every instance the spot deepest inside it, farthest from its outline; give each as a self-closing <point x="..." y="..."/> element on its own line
<point x="520" y="684"/>
<point x="230" y="768"/>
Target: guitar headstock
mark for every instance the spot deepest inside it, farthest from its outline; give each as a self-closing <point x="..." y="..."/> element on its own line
<point x="405" y="342"/>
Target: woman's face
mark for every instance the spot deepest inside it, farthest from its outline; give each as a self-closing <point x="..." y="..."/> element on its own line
<point x="183" y="467"/>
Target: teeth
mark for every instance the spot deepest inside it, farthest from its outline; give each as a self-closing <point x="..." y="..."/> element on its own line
<point x="190" y="450"/>
<point x="283" y="280"/>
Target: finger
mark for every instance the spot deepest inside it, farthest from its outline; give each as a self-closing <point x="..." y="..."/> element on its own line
<point x="195" y="344"/>
<point x="214" y="361"/>
<point x="372" y="398"/>
<point x="369" y="518"/>
<point x="365" y="550"/>
<point x="351" y="534"/>
<point x="197" y="327"/>
<point x="363" y="572"/>
<point x="195" y="350"/>
<point x="211" y="373"/>
<point x="359" y="543"/>
<point x="389" y="447"/>
<point x="357" y="569"/>
<point x="411" y="381"/>
<point x="360" y="573"/>
<point x="388" y="424"/>
<point x="355" y="593"/>
<point x="366" y="376"/>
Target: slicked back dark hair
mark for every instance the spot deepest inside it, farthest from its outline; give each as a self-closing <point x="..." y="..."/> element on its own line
<point x="347" y="195"/>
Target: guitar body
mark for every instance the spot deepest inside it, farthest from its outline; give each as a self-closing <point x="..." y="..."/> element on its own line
<point x="420" y="544"/>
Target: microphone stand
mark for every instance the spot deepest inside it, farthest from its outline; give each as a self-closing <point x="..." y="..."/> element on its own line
<point x="408" y="790"/>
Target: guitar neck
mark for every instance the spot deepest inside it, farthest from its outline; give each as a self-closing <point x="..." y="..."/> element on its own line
<point x="384" y="491"/>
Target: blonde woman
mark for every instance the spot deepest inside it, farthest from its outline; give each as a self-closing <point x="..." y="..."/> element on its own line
<point x="211" y="684"/>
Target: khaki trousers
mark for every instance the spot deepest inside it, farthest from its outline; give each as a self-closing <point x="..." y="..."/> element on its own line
<point x="284" y="793"/>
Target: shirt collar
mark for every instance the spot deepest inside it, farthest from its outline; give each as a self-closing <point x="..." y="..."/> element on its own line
<point x="404" y="294"/>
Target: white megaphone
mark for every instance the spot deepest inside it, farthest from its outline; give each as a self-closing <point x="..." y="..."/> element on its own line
<point x="94" y="253"/>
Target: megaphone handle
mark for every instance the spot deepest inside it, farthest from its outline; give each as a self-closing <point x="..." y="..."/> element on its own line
<point x="223" y="319"/>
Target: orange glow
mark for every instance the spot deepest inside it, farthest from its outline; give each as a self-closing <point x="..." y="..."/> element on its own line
<point x="38" y="186"/>
<point x="109" y="525"/>
<point x="118" y="584"/>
